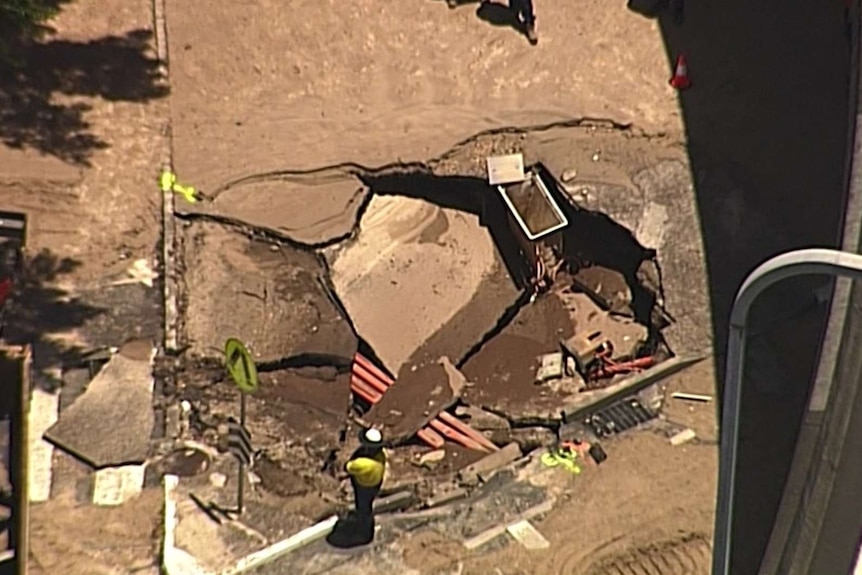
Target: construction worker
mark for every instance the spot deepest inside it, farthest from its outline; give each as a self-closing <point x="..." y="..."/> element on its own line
<point x="366" y="468"/>
<point x="524" y="11"/>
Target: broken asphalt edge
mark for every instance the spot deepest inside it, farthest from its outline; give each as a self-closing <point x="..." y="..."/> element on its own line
<point x="361" y="172"/>
<point x="176" y="561"/>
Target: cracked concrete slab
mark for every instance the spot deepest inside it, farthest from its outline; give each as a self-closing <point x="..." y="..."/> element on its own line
<point x="305" y="210"/>
<point x="111" y="423"/>
<point x="411" y="269"/>
<point x="271" y="297"/>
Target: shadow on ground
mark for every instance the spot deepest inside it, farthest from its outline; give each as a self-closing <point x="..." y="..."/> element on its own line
<point x="766" y="122"/>
<point x="40" y="104"/>
<point x="39" y="309"/>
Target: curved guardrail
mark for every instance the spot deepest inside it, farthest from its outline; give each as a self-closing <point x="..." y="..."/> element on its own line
<point x="793" y="543"/>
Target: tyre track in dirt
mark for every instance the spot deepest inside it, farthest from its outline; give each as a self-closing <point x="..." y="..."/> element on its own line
<point x="687" y="555"/>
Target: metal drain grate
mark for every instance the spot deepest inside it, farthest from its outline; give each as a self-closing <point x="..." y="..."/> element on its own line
<point x="620" y="416"/>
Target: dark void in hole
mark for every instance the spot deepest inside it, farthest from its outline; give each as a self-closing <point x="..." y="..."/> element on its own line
<point x="590" y="238"/>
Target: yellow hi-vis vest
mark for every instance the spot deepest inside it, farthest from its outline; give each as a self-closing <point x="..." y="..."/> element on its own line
<point x="368" y="471"/>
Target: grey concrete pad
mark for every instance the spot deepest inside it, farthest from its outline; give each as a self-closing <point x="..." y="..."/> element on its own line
<point x="111" y="423"/>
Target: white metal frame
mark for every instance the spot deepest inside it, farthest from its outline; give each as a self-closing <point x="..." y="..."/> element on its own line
<point x="796" y="263"/>
<point x="557" y="211"/>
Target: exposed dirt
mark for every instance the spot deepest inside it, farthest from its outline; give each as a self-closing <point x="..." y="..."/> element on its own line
<point x="310" y="410"/>
<point x="504" y="370"/>
<point x="271" y="297"/>
<point x="104" y="537"/>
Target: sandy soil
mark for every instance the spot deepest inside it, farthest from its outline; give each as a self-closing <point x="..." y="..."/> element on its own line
<point x="318" y="85"/>
<point x="86" y="540"/>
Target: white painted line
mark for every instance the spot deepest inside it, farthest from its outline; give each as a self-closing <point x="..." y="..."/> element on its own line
<point x="116" y="485"/>
<point x="276" y="550"/>
<point x="175" y="561"/>
<point x="490" y="534"/>
<point x="44" y="411"/>
<point x="528" y="536"/>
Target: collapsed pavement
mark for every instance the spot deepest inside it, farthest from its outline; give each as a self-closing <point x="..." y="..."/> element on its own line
<point x="432" y="270"/>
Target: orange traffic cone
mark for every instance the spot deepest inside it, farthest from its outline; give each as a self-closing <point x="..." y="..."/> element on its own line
<point x="680" y="79"/>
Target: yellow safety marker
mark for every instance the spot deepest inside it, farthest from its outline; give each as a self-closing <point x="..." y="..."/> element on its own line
<point x="168" y="183"/>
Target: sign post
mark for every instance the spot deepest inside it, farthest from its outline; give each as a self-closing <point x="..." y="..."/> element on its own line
<point x="242" y="370"/>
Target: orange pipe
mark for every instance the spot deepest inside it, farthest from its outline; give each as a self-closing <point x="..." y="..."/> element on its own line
<point x="431" y="437"/>
<point x="456" y="436"/>
<point x="369" y="378"/>
<point x="366" y="363"/>
<point x="465" y="429"/>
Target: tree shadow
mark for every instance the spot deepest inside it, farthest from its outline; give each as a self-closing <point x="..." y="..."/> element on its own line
<point x="38" y="311"/>
<point x="33" y="111"/>
<point x="766" y="123"/>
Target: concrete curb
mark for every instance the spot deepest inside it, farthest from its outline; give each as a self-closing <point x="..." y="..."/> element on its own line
<point x="169" y="272"/>
<point x="175" y="561"/>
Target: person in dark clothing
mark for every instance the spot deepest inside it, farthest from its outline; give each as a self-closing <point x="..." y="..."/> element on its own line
<point x="366" y="469"/>
<point x="525" y="13"/>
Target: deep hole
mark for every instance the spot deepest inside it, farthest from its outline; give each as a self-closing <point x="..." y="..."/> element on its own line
<point x="591" y="238"/>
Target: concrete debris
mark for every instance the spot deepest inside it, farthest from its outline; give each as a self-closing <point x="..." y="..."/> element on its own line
<point x="286" y="307"/>
<point x="530" y="438"/>
<point x="419" y="395"/>
<point x="448" y="494"/>
<point x="625" y="335"/>
<point x="551" y="367"/>
<point x="692" y="397"/>
<point x="606" y="287"/>
<point x="490" y="534"/>
<point x="569" y="175"/>
<point x="308" y="212"/>
<point x="432" y="457"/>
<point x="527" y="535"/>
<point x="395" y="502"/>
<point x="116" y="485"/>
<point x="112" y="422"/>
<point x="481" y="420"/>
<point x="683" y="436"/>
<point x="218" y="480"/>
<point x="483" y="469"/>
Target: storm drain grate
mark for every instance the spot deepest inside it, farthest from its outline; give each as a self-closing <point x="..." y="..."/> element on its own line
<point x="620" y="416"/>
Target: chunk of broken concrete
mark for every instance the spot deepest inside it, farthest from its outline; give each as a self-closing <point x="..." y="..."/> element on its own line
<point x="432" y="458"/>
<point x="488" y="465"/>
<point x="683" y="436"/>
<point x="412" y="268"/>
<point x="283" y="298"/>
<point x="416" y="398"/>
<point x="444" y="495"/>
<point x="395" y="502"/>
<point x="530" y="438"/>
<point x="480" y="419"/>
<point x="551" y="367"/>
<point x="112" y="422"/>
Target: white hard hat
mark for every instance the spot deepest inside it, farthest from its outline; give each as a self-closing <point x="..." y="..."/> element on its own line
<point x="373" y="435"/>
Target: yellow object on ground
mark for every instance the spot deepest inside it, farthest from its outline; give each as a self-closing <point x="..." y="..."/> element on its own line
<point x="368" y="471"/>
<point x="168" y="182"/>
<point x="564" y="458"/>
